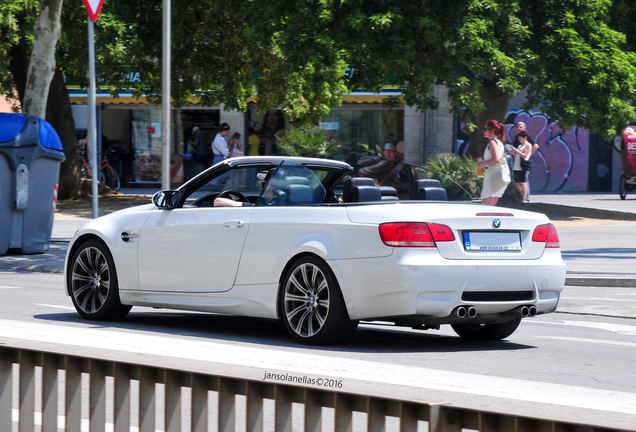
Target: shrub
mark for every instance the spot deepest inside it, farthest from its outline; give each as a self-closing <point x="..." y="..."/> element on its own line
<point x="460" y="169"/>
<point x="306" y="141"/>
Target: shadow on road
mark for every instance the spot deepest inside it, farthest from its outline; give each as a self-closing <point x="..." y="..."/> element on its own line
<point x="219" y="328"/>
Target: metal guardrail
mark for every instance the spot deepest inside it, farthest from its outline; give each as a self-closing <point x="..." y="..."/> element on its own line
<point x="63" y="387"/>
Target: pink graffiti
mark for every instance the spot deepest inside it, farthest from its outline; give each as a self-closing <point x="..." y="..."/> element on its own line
<point x="561" y="163"/>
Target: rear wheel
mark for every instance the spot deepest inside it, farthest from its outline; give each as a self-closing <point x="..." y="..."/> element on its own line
<point x="93" y="283"/>
<point x="483" y="332"/>
<point x="622" y="187"/>
<point x="312" y="306"/>
<point x="112" y="179"/>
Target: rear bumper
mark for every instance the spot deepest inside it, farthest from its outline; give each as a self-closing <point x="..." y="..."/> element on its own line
<point x="420" y="283"/>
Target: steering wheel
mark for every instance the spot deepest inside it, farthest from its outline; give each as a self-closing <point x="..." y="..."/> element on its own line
<point x="228" y="194"/>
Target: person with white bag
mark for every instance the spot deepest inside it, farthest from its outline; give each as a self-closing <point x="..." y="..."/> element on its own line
<point x="496" y="170"/>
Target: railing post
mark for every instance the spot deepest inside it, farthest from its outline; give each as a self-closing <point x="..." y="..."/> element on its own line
<point x="376" y="415"/>
<point x="344" y="411"/>
<point x="282" y="409"/>
<point x="313" y="411"/>
<point x="443" y="419"/>
<point x="227" y="405"/>
<point x="199" y="386"/>
<point x="173" y="401"/>
<point x="73" y="373"/>
<point x="408" y="417"/>
<point x="122" y="398"/>
<point x="97" y="398"/>
<point x="27" y="390"/>
<point x="147" y="395"/>
<point x="6" y="388"/>
<point x="49" y="392"/>
<point x="254" y="421"/>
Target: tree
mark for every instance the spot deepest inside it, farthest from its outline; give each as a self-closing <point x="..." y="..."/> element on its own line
<point x="573" y="64"/>
<point x="46" y="32"/>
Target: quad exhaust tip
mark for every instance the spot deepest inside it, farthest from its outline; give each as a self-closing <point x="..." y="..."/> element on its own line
<point x="528" y="311"/>
<point x="466" y="312"/>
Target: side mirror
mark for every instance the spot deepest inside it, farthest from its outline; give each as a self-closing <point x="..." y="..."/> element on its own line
<point x="166" y="200"/>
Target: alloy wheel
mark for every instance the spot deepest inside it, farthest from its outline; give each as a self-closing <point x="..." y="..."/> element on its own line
<point x="90" y="280"/>
<point x="307" y="300"/>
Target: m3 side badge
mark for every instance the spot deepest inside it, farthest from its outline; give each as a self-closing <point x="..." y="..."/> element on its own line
<point x="496" y="223"/>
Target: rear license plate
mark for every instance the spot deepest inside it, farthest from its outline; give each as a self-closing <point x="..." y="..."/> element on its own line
<point x="492" y="241"/>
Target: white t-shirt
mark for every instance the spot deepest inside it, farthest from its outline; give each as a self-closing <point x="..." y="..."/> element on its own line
<point x="522" y="148"/>
<point x="219" y="146"/>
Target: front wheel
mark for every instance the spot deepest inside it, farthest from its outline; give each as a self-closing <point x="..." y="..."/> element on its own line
<point x="622" y="187"/>
<point x="93" y="283"/>
<point x="312" y="306"/>
<point x="484" y="332"/>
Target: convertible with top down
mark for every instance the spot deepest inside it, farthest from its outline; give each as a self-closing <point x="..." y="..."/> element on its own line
<point x="311" y="245"/>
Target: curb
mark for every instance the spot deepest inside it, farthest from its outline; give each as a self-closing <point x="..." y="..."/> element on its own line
<point x="618" y="281"/>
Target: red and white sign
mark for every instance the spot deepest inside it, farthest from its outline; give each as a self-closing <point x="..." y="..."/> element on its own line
<point x="93" y="7"/>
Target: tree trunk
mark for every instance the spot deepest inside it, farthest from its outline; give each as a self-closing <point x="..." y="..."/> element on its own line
<point x="46" y="32"/>
<point x="496" y="103"/>
<point x="60" y="114"/>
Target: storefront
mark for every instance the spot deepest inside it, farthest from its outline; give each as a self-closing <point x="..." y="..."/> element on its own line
<point x="131" y="132"/>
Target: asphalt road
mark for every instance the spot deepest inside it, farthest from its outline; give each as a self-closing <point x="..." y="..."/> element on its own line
<point x="574" y="365"/>
<point x="568" y="364"/>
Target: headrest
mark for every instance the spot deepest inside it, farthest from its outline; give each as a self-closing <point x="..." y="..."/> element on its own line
<point x="300" y="194"/>
<point x="351" y="183"/>
<point x="297" y="180"/>
<point x="432" y="194"/>
<point x="422" y="183"/>
<point x="365" y="193"/>
<point x="387" y="191"/>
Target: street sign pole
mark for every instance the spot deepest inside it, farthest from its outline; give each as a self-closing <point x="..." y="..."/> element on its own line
<point x="93" y="7"/>
<point x="165" y="96"/>
<point x="92" y="119"/>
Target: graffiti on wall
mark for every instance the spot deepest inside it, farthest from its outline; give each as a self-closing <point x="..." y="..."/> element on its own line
<point x="561" y="164"/>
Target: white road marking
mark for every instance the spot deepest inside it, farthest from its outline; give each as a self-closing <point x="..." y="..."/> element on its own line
<point x="55" y="306"/>
<point x="615" y="328"/>
<point x="9" y="287"/>
<point x="598" y="299"/>
<point x="363" y="371"/>
<point x="596" y="341"/>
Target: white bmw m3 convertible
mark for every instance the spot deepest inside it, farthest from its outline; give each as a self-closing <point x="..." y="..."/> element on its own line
<point x="306" y="243"/>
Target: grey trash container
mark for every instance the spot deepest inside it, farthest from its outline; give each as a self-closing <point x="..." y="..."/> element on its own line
<point x="30" y="157"/>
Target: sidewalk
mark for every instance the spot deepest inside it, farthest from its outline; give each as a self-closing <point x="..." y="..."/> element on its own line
<point x="598" y="254"/>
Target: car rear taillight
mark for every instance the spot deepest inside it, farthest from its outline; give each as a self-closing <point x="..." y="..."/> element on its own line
<point x="546" y="234"/>
<point x="414" y="234"/>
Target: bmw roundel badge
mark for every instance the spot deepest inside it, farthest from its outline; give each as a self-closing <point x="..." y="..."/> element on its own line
<point x="496" y="223"/>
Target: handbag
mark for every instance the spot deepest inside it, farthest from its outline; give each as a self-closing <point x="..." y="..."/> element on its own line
<point x="500" y="174"/>
<point x="525" y="164"/>
<point x="236" y="152"/>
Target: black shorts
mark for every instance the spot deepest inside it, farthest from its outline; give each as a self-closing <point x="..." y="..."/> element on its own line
<point x="520" y="176"/>
<point x="202" y="159"/>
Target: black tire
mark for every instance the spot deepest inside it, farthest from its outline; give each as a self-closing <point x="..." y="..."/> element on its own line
<point x="93" y="285"/>
<point x="485" y="332"/>
<point x="312" y="306"/>
<point x="112" y="179"/>
<point x="622" y="187"/>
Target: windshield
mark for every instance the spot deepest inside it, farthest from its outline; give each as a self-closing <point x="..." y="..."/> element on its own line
<point x="453" y="190"/>
<point x="293" y="184"/>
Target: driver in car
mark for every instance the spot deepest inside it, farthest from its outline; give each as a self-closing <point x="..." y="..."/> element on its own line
<point x="228" y="202"/>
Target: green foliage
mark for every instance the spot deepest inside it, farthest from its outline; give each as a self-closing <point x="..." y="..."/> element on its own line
<point x="460" y="169"/>
<point x="306" y="141"/>
<point x="576" y="66"/>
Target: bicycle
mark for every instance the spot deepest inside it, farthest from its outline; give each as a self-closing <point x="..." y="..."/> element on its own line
<point x="106" y="174"/>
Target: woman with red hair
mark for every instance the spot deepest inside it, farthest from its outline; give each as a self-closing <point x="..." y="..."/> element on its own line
<point x="492" y="191"/>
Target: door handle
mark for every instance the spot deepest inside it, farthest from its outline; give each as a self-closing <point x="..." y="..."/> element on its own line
<point x="234" y="224"/>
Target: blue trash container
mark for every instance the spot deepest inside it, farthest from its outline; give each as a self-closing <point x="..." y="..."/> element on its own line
<point x="30" y="157"/>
